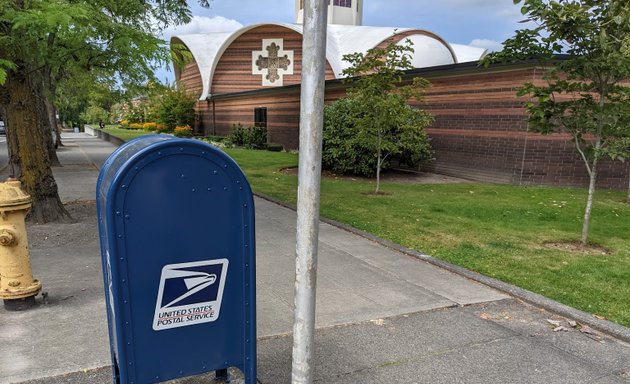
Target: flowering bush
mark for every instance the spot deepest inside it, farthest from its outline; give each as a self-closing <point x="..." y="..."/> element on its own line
<point x="135" y="126"/>
<point x="149" y="126"/>
<point x="124" y="124"/>
<point x="174" y="107"/>
<point x="183" y="131"/>
<point x="161" y="128"/>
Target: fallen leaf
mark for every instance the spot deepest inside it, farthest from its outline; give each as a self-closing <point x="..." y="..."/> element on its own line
<point x="378" y="321"/>
<point x="486" y="316"/>
<point x="573" y="323"/>
<point x="599" y="317"/>
<point x="554" y="322"/>
<point x="586" y="329"/>
<point x="561" y="329"/>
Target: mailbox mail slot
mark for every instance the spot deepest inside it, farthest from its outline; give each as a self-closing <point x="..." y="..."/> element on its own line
<point x="176" y="224"/>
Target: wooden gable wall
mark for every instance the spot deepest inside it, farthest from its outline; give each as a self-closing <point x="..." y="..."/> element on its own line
<point x="191" y="78"/>
<point x="234" y="70"/>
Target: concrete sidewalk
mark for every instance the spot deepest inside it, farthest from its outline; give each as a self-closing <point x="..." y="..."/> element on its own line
<point x="382" y="316"/>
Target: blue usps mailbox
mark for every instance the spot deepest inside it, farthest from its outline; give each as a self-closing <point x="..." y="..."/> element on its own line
<point x="176" y="223"/>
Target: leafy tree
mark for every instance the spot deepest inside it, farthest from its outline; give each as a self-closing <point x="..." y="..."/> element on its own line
<point x="173" y="107"/>
<point x="95" y="114"/>
<point x="584" y="93"/>
<point x="42" y="43"/>
<point x="374" y="123"/>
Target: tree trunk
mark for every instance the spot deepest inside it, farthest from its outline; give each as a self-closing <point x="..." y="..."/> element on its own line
<point x="589" y="201"/>
<point x="378" y="172"/>
<point x="28" y="154"/>
<point x="49" y="124"/>
<point x="628" y="198"/>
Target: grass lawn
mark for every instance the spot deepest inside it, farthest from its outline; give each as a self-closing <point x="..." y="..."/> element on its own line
<point x="124" y="134"/>
<point x="504" y="231"/>
<point x="501" y="231"/>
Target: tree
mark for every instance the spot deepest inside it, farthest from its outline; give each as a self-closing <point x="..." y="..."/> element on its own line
<point x="364" y="130"/>
<point x="173" y="106"/>
<point x="584" y="93"/>
<point x="44" y="42"/>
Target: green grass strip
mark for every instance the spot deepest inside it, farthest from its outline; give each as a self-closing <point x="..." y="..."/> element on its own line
<point x="504" y="231"/>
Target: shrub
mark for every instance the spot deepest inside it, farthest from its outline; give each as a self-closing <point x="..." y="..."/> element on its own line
<point x="248" y="137"/>
<point x="341" y="152"/>
<point x="238" y="135"/>
<point x="222" y="143"/>
<point x="349" y="147"/>
<point x="183" y="131"/>
<point x="150" y="126"/>
<point x="375" y="119"/>
<point x="135" y="126"/>
<point x="174" y="107"/>
<point x="215" y="139"/>
<point x="274" y="147"/>
<point x="257" y="138"/>
<point x="135" y="112"/>
<point x="162" y="128"/>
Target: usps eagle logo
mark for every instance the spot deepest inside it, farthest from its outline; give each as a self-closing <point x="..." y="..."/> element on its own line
<point x="190" y="293"/>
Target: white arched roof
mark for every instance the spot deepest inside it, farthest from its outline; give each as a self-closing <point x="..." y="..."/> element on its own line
<point x="346" y="39"/>
<point x="204" y="49"/>
<point x="466" y="53"/>
<point x="429" y="48"/>
<point x="429" y="51"/>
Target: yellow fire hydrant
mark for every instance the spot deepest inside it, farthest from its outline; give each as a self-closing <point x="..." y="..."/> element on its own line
<point x="18" y="288"/>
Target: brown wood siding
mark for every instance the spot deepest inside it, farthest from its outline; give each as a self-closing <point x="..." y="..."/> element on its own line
<point x="234" y="70"/>
<point x="480" y="130"/>
<point x="191" y="79"/>
<point x="283" y="116"/>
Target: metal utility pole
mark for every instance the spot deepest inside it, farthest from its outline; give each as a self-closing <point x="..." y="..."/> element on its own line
<point x="309" y="177"/>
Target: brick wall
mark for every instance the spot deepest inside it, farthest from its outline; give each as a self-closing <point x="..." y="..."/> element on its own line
<point x="479" y="133"/>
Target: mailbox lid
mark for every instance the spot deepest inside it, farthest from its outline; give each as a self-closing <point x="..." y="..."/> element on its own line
<point x="119" y="157"/>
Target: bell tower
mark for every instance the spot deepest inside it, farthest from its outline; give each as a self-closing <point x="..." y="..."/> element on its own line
<point x="345" y="12"/>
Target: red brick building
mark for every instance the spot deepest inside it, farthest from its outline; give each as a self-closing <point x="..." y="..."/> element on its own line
<point x="480" y="130"/>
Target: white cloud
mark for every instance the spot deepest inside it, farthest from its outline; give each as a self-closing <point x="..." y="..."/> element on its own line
<point x="490" y="45"/>
<point x="203" y="24"/>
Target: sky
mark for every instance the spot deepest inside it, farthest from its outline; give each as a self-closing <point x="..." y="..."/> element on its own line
<point x="482" y="23"/>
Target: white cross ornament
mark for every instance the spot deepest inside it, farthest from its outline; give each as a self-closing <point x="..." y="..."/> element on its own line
<point x="272" y="62"/>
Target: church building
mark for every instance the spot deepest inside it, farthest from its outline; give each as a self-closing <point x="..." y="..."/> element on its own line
<point x="252" y="77"/>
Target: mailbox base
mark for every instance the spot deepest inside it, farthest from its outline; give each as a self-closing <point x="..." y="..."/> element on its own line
<point x="20" y="304"/>
<point x="221" y="376"/>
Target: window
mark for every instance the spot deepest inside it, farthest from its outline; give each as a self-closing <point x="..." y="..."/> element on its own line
<point x="339" y="3"/>
<point x="343" y="3"/>
<point x="260" y="117"/>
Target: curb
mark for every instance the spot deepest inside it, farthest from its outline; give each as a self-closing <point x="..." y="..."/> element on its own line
<point x="110" y="138"/>
<point x="608" y="327"/>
